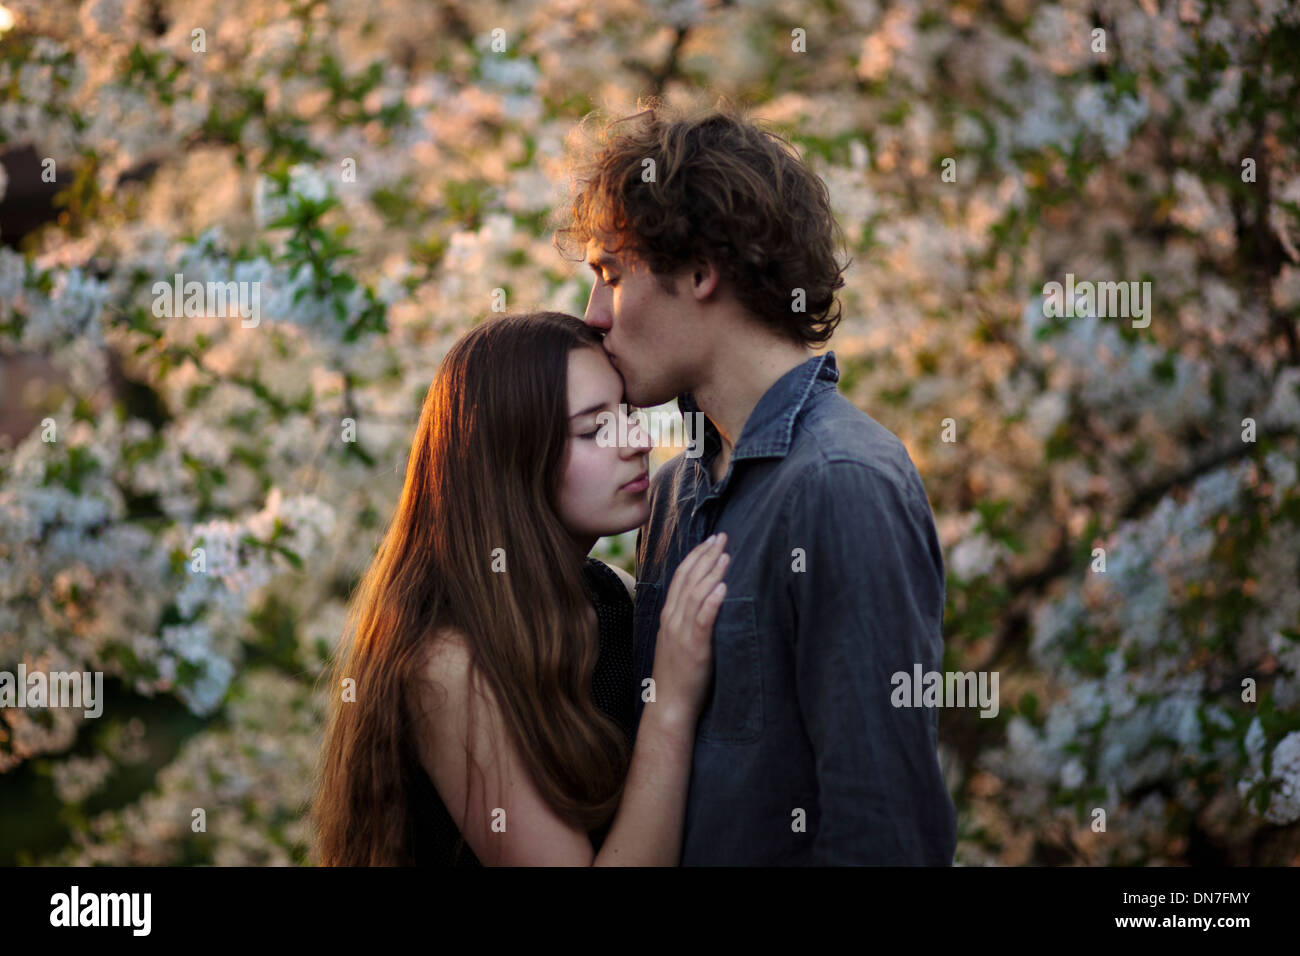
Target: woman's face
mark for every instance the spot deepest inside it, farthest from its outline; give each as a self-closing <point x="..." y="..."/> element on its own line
<point x="593" y="501"/>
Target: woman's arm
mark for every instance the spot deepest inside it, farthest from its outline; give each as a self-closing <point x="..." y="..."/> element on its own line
<point x="647" y="825"/>
<point x="647" y="828"/>
<point x="506" y="821"/>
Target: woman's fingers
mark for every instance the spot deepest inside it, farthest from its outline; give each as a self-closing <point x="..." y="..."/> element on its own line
<point x="709" y="594"/>
<point x="701" y="557"/>
<point x="682" y="572"/>
<point x="688" y="571"/>
<point x="708" y="611"/>
<point x="709" y="577"/>
<point x="699" y="605"/>
<point x="695" y="595"/>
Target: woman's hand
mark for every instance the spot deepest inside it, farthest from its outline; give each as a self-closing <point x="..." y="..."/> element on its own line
<point x="684" y="649"/>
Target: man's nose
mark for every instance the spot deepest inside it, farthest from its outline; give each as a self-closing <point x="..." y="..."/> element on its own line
<point x="597" y="316"/>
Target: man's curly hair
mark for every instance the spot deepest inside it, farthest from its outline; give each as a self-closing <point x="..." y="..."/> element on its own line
<point x="724" y="190"/>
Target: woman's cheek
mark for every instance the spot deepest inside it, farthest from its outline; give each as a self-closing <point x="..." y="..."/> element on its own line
<point x="608" y="468"/>
<point x="590" y="468"/>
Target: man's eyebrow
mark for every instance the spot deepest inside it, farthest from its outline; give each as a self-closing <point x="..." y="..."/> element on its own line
<point x="602" y="262"/>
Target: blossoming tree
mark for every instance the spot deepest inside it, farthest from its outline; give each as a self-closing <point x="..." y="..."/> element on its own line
<point x="189" y="491"/>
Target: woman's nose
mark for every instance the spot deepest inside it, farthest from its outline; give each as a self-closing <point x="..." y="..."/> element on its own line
<point x="637" y="434"/>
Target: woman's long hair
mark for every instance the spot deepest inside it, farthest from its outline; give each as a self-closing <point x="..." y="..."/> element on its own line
<point x="480" y="489"/>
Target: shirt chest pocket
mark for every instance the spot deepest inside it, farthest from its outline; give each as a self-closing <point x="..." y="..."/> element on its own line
<point x="733" y="711"/>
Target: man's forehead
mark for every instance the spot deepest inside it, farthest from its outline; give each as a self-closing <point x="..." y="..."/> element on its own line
<point x="597" y="253"/>
<point x="606" y="249"/>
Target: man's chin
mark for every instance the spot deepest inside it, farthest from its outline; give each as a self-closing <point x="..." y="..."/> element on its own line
<point x="645" y="399"/>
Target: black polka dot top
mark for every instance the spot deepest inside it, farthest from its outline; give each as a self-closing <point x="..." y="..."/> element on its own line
<point x="436" y="837"/>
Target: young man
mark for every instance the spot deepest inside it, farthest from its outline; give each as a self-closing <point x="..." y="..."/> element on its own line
<point x="714" y="286"/>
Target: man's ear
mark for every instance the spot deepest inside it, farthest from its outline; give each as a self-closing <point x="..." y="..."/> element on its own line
<point x="705" y="278"/>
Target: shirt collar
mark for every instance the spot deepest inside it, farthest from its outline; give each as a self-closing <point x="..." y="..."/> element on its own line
<point x="770" y="426"/>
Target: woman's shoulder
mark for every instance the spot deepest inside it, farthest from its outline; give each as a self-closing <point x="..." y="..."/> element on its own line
<point x="446" y="651"/>
<point x="446" y="688"/>
<point x="627" y="580"/>
<point x="443" y="671"/>
<point x="438" y="671"/>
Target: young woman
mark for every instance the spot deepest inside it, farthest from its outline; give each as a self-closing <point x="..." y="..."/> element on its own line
<point x="490" y="657"/>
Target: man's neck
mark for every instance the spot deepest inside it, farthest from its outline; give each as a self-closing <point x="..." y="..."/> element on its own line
<point x="736" y="382"/>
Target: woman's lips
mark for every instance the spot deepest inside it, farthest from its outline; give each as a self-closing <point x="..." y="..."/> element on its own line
<point x="638" y="484"/>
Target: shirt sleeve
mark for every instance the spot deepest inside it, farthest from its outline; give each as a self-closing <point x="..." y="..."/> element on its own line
<point x="868" y="603"/>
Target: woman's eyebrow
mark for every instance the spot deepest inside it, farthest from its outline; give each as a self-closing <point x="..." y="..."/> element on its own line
<point x="588" y="411"/>
<point x="595" y="408"/>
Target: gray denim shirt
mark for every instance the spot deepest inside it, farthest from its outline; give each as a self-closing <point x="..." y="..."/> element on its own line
<point x="836" y="583"/>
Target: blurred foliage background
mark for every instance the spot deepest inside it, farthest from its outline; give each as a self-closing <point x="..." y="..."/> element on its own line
<point x="381" y="167"/>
